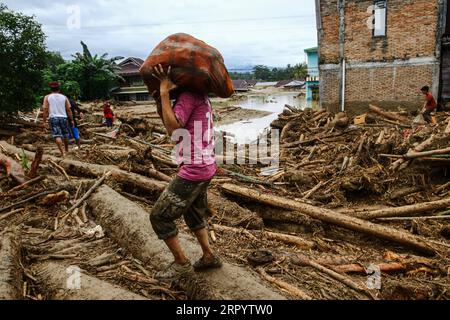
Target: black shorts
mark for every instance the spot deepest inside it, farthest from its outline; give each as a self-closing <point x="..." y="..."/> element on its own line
<point x="181" y="198"/>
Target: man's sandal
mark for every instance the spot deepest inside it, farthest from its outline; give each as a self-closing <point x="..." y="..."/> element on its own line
<point x="203" y="265"/>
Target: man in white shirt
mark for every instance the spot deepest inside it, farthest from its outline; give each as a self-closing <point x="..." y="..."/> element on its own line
<point x="57" y="109"/>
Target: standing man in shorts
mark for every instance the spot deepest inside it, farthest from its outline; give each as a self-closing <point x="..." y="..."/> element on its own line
<point x="190" y="120"/>
<point x="57" y="110"/>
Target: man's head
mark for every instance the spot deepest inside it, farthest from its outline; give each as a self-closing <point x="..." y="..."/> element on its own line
<point x="425" y="89"/>
<point x="54" y="86"/>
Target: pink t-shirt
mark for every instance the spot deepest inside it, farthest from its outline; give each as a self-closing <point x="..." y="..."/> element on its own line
<point x="195" y="149"/>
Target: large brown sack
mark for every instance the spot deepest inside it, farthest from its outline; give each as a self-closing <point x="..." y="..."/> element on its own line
<point x="196" y="66"/>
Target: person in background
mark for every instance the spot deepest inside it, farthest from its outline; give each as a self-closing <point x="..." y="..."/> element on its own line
<point x="430" y="104"/>
<point x="57" y="110"/>
<point x="108" y="114"/>
<point x="76" y="112"/>
<point x="186" y="195"/>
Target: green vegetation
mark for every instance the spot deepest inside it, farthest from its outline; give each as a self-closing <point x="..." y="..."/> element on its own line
<point x="23" y="60"/>
<point x="87" y="76"/>
<point x="264" y="73"/>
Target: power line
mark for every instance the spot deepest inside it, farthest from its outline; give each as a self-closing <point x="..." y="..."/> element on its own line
<point x="190" y="22"/>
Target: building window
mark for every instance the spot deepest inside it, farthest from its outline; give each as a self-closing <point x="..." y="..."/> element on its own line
<point x="142" y="97"/>
<point x="380" y="18"/>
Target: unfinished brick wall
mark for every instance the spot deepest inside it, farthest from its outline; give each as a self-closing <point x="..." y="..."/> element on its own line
<point x="411" y="34"/>
<point x="329" y="38"/>
<point x="411" y="31"/>
<point x="329" y="88"/>
<point x="389" y="83"/>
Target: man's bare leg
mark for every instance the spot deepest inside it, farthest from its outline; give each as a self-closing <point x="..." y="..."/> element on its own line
<point x="59" y="143"/>
<point x="203" y="239"/>
<point x="66" y="145"/>
<point x="174" y="245"/>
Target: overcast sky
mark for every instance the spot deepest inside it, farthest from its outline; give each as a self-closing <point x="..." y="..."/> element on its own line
<point x="270" y="32"/>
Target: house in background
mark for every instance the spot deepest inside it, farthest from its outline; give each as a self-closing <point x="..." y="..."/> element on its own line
<point x="240" y="86"/>
<point x="266" y="84"/>
<point x="312" y="80"/>
<point x="382" y="52"/>
<point x="282" y="83"/>
<point x="251" y="83"/>
<point x="133" y="88"/>
<point x="291" y="85"/>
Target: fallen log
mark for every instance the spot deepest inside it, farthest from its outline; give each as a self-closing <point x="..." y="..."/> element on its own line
<point x="387" y="115"/>
<point x="41" y="194"/>
<point x="403" y="211"/>
<point x="402" y="163"/>
<point x="10" y="270"/>
<point x="218" y="203"/>
<point x="391" y="267"/>
<point x="54" y="198"/>
<point x="159" y="175"/>
<point x="291" y="240"/>
<point x="25" y="185"/>
<point x="61" y="282"/>
<point x="130" y="226"/>
<point x="352" y="223"/>
<point x="400" y="193"/>
<point x="302" y="260"/>
<point x="414" y="155"/>
<point x="12" y="168"/>
<point x="94" y="170"/>
<point x="36" y="162"/>
<point x="286" y="238"/>
<point x="11" y="213"/>
<point x="293" y="291"/>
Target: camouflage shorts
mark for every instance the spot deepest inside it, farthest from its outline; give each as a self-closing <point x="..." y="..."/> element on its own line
<point x="181" y="198"/>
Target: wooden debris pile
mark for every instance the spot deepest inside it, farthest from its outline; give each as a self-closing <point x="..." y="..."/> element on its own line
<point x="350" y="197"/>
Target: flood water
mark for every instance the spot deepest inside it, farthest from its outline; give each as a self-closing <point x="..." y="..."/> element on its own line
<point x="248" y="130"/>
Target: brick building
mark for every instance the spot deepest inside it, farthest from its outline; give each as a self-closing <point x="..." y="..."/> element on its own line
<point x="382" y="52"/>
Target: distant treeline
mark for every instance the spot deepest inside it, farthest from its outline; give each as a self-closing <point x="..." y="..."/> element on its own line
<point x="264" y="73"/>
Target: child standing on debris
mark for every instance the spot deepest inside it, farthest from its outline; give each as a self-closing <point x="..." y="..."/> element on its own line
<point x="108" y="114"/>
<point x="57" y="109"/>
<point x="430" y="104"/>
<point x="191" y="118"/>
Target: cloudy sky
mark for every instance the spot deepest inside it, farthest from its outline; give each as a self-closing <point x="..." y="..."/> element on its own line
<point x="270" y="32"/>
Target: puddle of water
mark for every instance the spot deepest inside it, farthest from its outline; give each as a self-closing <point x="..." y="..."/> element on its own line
<point x="249" y="130"/>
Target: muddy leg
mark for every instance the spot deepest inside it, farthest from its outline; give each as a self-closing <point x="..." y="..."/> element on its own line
<point x="66" y="144"/>
<point x="174" y="246"/>
<point x="203" y="239"/>
<point x="59" y="143"/>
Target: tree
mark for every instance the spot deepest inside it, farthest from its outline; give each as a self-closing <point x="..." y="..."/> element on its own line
<point x="22" y="60"/>
<point x="53" y="60"/>
<point x="95" y="75"/>
<point x="264" y="73"/>
<point x="261" y="72"/>
<point x="300" y="71"/>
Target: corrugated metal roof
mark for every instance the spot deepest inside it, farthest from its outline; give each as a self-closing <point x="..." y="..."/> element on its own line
<point x="130" y="66"/>
<point x="266" y="84"/>
<point x="295" y="83"/>
<point x="240" y="85"/>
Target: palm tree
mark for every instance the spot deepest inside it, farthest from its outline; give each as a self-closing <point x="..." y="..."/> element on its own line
<point x="98" y="74"/>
